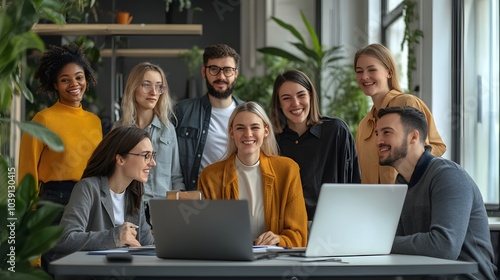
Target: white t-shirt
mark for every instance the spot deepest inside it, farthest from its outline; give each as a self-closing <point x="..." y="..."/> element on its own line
<point x="216" y="143"/>
<point x="250" y="189"/>
<point x="118" y="207"/>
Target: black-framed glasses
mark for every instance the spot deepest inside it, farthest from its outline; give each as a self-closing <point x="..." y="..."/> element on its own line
<point x="148" y="156"/>
<point x="147" y="88"/>
<point x="215" y="70"/>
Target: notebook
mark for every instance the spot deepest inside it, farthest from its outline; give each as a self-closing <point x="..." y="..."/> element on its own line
<point x="202" y="229"/>
<point x="355" y="219"/>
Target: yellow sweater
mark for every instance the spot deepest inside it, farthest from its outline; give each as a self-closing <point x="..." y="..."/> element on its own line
<point x="371" y="171"/>
<point x="80" y="132"/>
<point x="284" y="206"/>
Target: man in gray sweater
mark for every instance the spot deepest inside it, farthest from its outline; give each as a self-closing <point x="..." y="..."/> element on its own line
<point x="443" y="214"/>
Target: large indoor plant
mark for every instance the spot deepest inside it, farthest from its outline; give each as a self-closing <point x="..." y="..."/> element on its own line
<point x="25" y="229"/>
<point x="316" y="60"/>
<point x="338" y="93"/>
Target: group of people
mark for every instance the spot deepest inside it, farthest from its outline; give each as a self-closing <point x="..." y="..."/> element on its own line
<point x="231" y="149"/>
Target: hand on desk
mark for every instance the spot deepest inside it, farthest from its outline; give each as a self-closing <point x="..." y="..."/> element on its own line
<point x="128" y="232"/>
<point x="267" y="238"/>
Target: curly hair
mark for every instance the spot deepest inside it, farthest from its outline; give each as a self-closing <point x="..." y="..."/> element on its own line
<point x="54" y="59"/>
<point x="220" y="51"/>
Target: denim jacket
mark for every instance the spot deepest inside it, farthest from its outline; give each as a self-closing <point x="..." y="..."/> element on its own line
<point x="193" y="120"/>
<point x="167" y="174"/>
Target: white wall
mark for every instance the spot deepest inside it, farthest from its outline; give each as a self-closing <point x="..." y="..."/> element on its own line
<point x="259" y="30"/>
<point x="352" y="24"/>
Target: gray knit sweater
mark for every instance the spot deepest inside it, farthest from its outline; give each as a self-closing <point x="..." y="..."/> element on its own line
<point x="444" y="216"/>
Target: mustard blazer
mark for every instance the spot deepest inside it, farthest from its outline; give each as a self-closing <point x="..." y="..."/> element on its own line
<point x="284" y="206"/>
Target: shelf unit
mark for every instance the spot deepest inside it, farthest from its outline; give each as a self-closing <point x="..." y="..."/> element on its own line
<point x="166" y="53"/>
<point x="118" y="29"/>
<point x="114" y="30"/>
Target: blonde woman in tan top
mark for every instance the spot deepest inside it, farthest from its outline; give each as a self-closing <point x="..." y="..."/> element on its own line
<point x="377" y="76"/>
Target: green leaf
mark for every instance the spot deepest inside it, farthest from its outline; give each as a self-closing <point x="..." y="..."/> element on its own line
<point x="309" y="52"/>
<point x="26" y="195"/>
<point x="40" y="241"/>
<point x="290" y="28"/>
<point x="4" y="192"/>
<point x="44" y="215"/>
<point x="5" y="96"/>
<point x="312" y="33"/>
<point x="43" y="134"/>
<point x="281" y="53"/>
<point x="25" y="41"/>
<point x="21" y="87"/>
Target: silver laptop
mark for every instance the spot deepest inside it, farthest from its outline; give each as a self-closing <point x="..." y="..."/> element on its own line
<point x="355" y="219"/>
<point x="202" y="229"/>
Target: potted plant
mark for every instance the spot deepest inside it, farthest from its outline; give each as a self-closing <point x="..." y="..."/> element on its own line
<point x="193" y="59"/>
<point x="182" y="6"/>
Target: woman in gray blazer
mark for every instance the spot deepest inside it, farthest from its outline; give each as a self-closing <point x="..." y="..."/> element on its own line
<point x="105" y="209"/>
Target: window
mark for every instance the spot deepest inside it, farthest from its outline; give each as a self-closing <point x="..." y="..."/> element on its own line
<point x="393" y="27"/>
<point x="479" y="148"/>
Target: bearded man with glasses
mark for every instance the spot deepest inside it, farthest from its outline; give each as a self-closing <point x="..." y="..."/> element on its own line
<point x="202" y="122"/>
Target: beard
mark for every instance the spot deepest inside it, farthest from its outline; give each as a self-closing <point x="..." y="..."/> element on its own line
<point x="220" y="94"/>
<point x="397" y="154"/>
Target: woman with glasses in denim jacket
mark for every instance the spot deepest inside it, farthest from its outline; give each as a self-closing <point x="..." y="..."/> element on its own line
<point x="147" y="104"/>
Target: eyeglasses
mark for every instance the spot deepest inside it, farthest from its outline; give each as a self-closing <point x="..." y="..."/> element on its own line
<point x="148" y="156"/>
<point x="147" y="88"/>
<point x="215" y="70"/>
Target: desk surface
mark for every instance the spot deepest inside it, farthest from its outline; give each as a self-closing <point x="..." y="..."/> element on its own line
<point x="494" y="223"/>
<point x="80" y="263"/>
<point x="118" y="29"/>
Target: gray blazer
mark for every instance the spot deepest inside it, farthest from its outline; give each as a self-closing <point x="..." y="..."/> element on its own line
<point x="88" y="220"/>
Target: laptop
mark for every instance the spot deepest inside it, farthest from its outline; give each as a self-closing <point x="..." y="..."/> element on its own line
<point x="355" y="220"/>
<point x="202" y="229"/>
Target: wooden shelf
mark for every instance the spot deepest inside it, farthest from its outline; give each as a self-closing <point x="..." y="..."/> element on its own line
<point x="169" y="53"/>
<point x="118" y="29"/>
<point x="115" y="30"/>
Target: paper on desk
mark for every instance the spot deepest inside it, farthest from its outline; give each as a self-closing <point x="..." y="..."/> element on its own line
<point x="264" y="248"/>
<point x="308" y="259"/>
<point x="105" y="252"/>
<point x="132" y="250"/>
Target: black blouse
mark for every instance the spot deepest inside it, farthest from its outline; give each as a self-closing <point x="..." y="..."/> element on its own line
<point x="326" y="153"/>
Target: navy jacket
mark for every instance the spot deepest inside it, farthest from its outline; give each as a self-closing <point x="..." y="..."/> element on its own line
<point x="193" y="120"/>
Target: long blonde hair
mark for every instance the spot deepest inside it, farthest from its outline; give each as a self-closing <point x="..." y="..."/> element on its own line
<point x="164" y="107"/>
<point x="269" y="145"/>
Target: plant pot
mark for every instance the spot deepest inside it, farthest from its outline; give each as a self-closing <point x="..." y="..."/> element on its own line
<point x="191" y="88"/>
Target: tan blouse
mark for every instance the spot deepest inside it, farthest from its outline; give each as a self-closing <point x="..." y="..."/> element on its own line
<point x="371" y="171"/>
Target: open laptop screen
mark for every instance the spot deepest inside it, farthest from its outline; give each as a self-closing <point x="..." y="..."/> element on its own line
<point x="355" y="219"/>
<point x="202" y="229"/>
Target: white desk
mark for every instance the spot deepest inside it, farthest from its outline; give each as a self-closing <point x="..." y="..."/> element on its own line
<point x="80" y="263"/>
<point x="494" y="223"/>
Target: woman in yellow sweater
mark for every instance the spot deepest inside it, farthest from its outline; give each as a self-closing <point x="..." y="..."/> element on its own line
<point x="65" y="72"/>
<point x="252" y="170"/>
<point x="378" y="78"/>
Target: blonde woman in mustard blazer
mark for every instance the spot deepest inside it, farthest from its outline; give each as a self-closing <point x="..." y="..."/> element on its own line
<point x="252" y="170"/>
